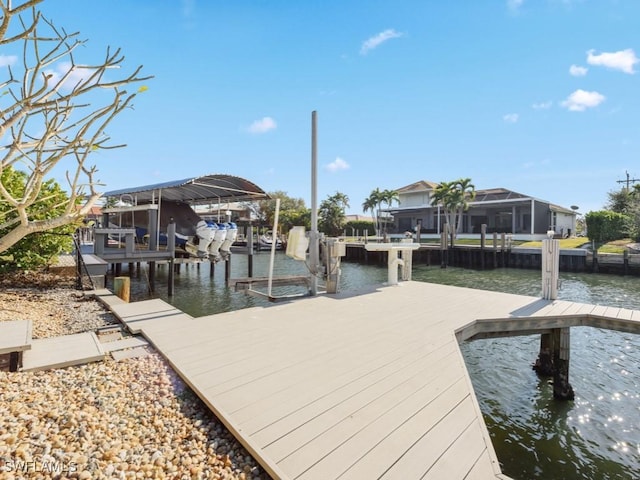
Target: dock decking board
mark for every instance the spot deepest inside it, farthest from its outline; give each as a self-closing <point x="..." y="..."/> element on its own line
<point x="369" y="384"/>
<point x="62" y="351"/>
<point x="16" y="336"/>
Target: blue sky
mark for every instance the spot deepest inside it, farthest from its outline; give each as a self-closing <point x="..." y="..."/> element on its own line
<point x="538" y="96"/>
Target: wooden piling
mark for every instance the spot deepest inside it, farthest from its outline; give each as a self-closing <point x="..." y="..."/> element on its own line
<point x="170" y="280"/>
<point x="122" y="287"/>
<point x="553" y="358"/>
<point x="250" y="252"/>
<point x="562" y="389"/>
<point x="483" y="238"/>
<point x="152" y="276"/>
<point x="544" y="363"/>
<point x="495" y="249"/>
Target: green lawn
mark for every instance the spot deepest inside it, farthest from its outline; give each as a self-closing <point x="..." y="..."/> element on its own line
<point x="617" y="246"/>
<point x="564" y="243"/>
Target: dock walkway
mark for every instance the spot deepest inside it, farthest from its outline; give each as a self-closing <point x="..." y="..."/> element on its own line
<point x="353" y="386"/>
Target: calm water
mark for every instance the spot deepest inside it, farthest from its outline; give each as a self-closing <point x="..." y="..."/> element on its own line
<point x="597" y="436"/>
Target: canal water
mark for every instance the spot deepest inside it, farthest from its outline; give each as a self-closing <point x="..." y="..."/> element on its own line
<point x="597" y="436"/>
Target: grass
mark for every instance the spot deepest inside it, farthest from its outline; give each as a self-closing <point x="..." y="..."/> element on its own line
<point x="564" y="243"/>
<point x="617" y="246"/>
<point x="608" y="248"/>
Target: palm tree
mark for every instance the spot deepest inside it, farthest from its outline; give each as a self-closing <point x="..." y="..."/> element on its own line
<point x="388" y="197"/>
<point x="467" y="194"/>
<point x="372" y="203"/>
<point x="442" y="196"/>
<point x="454" y="198"/>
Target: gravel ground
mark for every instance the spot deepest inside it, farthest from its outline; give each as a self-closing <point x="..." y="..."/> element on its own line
<point x="53" y="311"/>
<point x="130" y="419"/>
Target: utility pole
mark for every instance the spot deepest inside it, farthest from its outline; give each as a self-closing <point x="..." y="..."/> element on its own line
<point x="628" y="181"/>
<point x="314" y="244"/>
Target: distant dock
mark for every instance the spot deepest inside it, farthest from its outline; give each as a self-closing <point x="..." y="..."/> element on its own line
<point x="359" y="385"/>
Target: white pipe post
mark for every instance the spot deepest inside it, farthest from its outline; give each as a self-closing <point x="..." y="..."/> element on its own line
<point x="274" y="241"/>
<point x="158" y="224"/>
<point x="314" y="247"/>
<point x="550" y="268"/>
<point x="393" y="262"/>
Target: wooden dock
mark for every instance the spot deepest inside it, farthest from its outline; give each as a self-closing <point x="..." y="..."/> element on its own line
<point x="357" y="385"/>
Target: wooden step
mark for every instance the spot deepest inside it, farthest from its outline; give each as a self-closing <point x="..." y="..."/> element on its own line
<point x="123" y="344"/>
<point x="15" y="336"/>
<point x="62" y="351"/>
<point x="129" y="353"/>
<point x="15" y="339"/>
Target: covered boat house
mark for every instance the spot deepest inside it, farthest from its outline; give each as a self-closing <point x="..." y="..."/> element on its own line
<point x="155" y="223"/>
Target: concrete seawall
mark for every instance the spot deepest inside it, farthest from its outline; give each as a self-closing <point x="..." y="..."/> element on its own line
<point x="571" y="260"/>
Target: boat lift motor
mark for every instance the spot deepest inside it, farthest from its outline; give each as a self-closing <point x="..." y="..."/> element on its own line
<point x="206" y="232"/>
<point x="232" y="233"/>
<point x="218" y="239"/>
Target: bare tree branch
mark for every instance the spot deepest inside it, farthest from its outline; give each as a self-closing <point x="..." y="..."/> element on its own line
<point x="53" y="109"/>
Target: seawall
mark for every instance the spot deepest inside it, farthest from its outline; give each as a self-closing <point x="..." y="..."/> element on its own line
<point x="475" y="257"/>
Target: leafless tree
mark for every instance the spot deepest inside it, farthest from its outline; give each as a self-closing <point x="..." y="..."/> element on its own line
<point x="53" y="114"/>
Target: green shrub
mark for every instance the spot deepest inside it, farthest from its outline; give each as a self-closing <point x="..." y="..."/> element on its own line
<point x="37" y="249"/>
<point x="605" y="226"/>
<point x="359" y="227"/>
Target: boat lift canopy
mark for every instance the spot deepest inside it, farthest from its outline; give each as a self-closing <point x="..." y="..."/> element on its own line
<point x="195" y="190"/>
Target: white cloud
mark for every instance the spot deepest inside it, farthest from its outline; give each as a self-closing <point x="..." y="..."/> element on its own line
<point x="74" y="75"/>
<point x="542" y="105"/>
<point x="511" y="117"/>
<point x="578" y="71"/>
<point x="6" y="60"/>
<point x="338" y="164"/>
<point x="514" y="5"/>
<point x="378" y="40"/>
<point x="580" y="100"/>
<point x="263" y="125"/>
<point x="622" y="60"/>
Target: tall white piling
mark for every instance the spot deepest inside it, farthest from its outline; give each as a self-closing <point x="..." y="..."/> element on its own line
<point x="550" y="268"/>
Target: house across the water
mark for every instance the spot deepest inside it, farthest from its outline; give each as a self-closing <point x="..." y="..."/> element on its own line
<point x="502" y="210"/>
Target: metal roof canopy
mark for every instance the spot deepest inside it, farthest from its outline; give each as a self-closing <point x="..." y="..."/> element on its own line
<point x="195" y="190"/>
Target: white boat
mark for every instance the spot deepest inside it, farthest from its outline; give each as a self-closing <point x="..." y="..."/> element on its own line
<point x="265" y="241"/>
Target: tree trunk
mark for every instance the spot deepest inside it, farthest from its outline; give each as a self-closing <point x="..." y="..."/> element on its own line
<point x="18" y="233"/>
<point x="452" y="228"/>
<point x="14" y="236"/>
